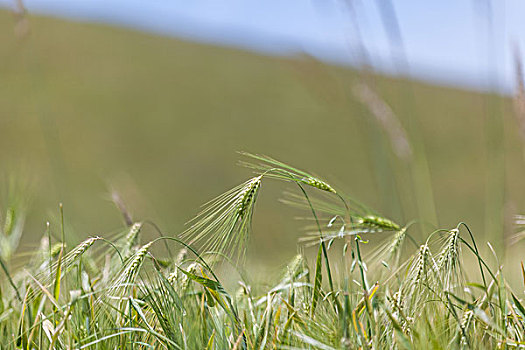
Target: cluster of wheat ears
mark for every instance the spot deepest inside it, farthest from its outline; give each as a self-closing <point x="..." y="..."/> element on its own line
<point x="116" y="293"/>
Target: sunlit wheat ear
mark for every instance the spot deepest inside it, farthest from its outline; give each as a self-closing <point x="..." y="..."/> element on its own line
<point x="132" y="236"/>
<point x="79" y="250"/>
<point x="67" y="261"/>
<point x="378" y="222"/>
<point x="131" y="239"/>
<point x="319" y="184"/>
<point x="359" y="225"/>
<point x="422" y="265"/>
<point x="448" y="260"/>
<point x="279" y="170"/>
<point x="224" y="224"/>
<point x="397" y="243"/>
<point x="127" y="275"/>
<point x="450" y="252"/>
<point x="421" y="278"/>
<point x="247" y="195"/>
<point x="131" y="270"/>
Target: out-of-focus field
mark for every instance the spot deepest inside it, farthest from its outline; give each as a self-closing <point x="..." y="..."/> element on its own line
<point x="85" y="108"/>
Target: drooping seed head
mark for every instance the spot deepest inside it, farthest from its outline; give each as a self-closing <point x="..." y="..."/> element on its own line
<point x="134" y="265"/>
<point x="394" y="250"/>
<point x="449" y="259"/>
<point x="450" y="253"/>
<point x="422" y="264"/>
<point x="379" y="222"/>
<point x="319" y="184"/>
<point x="81" y="248"/>
<point x="133" y="233"/>
<point x="397" y="241"/>
<point x="248" y="194"/>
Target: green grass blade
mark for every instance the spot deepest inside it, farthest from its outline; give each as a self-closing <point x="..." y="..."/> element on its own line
<point x="318" y="280"/>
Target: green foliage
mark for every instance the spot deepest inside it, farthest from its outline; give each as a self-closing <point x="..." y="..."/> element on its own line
<point x="109" y="294"/>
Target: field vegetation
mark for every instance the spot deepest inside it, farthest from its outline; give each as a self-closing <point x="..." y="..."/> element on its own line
<point x="287" y="259"/>
<point x="116" y="291"/>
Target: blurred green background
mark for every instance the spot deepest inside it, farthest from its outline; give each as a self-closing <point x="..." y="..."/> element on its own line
<point x="89" y="108"/>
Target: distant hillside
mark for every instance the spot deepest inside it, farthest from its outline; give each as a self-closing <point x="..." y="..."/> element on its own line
<point x="84" y="107"/>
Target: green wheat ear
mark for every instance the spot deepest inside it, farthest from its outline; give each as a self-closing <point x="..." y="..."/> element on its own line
<point x="379" y="222"/>
<point x="248" y="195"/>
<point x="127" y="275"/>
<point x="448" y="262"/>
<point x="131" y="239"/>
<point x="224" y="224"/>
<point x="319" y="184"/>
